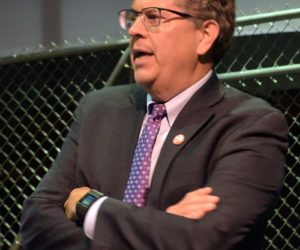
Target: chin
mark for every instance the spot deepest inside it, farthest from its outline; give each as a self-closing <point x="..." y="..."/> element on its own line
<point x="145" y="85"/>
<point x="144" y="79"/>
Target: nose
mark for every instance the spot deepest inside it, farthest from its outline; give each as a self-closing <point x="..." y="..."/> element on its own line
<point x="137" y="28"/>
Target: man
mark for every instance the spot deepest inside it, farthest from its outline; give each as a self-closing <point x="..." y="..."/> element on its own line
<point x="216" y="164"/>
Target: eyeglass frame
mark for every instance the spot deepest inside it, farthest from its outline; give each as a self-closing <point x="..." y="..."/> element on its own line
<point x="142" y="14"/>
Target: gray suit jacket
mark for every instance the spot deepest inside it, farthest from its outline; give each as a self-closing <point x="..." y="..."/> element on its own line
<point x="235" y="143"/>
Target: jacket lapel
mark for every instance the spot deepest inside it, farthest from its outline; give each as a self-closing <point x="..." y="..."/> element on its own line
<point x="132" y="119"/>
<point x="194" y="116"/>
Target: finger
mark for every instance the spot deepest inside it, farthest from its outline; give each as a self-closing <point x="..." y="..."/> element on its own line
<point x="67" y="213"/>
<point x="186" y="208"/>
<point x="65" y="204"/>
<point x="199" y="199"/>
<point x="205" y="190"/>
<point x="210" y="199"/>
<point x="201" y="191"/>
<point x="194" y="215"/>
<point x="197" y="212"/>
<point x="205" y="207"/>
<point x="208" y="207"/>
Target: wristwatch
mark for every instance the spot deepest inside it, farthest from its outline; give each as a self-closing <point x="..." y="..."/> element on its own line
<point x="85" y="202"/>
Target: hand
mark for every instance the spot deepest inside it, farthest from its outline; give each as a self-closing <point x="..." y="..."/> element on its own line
<point x="195" y="204"/>
<point x="70" y="204"/>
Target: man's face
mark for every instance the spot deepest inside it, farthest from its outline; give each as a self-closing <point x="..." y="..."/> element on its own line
<point x="164" y="58"/>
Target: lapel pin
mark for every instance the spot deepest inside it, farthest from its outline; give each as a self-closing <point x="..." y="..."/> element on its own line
<point x="178" y="139"/>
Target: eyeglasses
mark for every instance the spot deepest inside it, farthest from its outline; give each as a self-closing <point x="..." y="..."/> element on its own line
<point x="151" y="16"/>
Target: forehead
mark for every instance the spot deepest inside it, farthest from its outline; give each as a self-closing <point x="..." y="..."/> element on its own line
<point x="141" y="4"/>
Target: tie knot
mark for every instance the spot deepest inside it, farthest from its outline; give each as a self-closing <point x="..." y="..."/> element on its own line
<point x="158" y="111"/>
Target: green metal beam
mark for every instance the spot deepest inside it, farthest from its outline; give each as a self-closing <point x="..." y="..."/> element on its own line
<point x="268" y="17"/>
<point x="63" y="51"/>
<point x="118" y="69"/>
<point x="262" y="72"/>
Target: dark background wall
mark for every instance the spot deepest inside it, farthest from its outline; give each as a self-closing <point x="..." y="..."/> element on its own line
<point x="26" y="24"/>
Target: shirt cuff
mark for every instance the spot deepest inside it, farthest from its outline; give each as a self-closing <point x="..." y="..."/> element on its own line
<point x="90" y="219"/>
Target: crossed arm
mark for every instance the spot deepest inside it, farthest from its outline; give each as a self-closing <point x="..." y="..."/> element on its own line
<point x="194" y="205"/>
<point x="241" y="177"/>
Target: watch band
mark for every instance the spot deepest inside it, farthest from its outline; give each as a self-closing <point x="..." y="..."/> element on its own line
<point x="85" y="202"/>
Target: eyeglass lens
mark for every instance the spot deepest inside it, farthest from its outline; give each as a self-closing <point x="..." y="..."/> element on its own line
<point x="150" y="17"/>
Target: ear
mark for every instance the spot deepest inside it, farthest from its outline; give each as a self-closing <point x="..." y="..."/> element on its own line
<point x="209" y="32"/>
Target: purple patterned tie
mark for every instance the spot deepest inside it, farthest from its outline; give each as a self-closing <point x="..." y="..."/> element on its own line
<point x="136" y="189"/>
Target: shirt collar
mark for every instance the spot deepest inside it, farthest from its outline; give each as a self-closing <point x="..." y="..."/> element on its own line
<point x="176" y="104"/>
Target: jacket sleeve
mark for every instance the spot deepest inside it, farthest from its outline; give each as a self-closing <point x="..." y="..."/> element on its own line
<point x="246" y="173"/>
<point x="43" y="223"/>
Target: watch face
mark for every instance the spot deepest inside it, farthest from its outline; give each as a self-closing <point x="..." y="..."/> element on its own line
<point x="88" y="200"/>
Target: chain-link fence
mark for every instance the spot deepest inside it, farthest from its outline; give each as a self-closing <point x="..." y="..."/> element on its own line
<point x="39" y="92"/>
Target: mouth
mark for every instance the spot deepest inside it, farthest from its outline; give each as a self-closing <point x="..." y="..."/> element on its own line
<point x="139" y="53"/>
